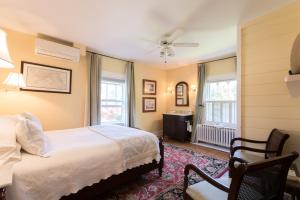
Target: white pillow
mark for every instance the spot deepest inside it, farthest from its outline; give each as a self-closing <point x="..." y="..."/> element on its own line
<point x="30" y="135"/>
<point x="31" y="117"/>
<point x="9" y="148"/>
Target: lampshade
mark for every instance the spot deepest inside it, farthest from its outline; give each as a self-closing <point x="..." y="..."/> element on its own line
<point x="5" y="60"/>
<point x="14" y="79"/>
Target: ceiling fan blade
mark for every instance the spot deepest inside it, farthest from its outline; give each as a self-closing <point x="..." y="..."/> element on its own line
<point x="178" y="44"/>
<point x="170" y="52"/>
<point x="172" y="36"/>
<point x="152" y="50"/>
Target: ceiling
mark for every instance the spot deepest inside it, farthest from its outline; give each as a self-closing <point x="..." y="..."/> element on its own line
<point x="131" y="29"/>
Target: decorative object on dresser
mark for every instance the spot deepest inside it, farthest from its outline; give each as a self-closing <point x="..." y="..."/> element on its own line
<point x="182" y="94"/>
<point x="177" y="126"/>
<point x="45" y="78"/>
<point x="149" y="87"/>
<point x="149" y="104"/>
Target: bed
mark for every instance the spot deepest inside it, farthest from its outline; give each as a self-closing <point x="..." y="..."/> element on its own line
<point x="85" y="162"/>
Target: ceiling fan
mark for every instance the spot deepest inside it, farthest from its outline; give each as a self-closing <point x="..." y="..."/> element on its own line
<point x="167" y="50"/>
<point x="167" y="44"/>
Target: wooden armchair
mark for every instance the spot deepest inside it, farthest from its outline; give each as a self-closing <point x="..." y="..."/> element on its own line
<point x="250" y="181"/>
<point x="273" y="147"/>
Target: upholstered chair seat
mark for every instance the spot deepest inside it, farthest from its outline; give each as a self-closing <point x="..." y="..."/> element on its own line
<point x="206" y="191"/>
<point x="247" y="156"/>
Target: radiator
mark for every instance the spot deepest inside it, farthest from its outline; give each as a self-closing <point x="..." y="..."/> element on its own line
<point x="215" y="135"/>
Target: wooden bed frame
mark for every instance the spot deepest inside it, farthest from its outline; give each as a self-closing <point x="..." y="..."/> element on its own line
<point x="94" y="191"/>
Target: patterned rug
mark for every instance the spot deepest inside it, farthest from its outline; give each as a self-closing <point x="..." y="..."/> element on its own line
<point x="170" y="186"/>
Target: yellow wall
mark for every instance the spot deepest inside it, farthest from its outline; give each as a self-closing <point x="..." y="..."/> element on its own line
<point x="56" y="111"/>
<point x="151" y="121"/>
<point x="61" y="111"/>
<point x="187" y="74"/>
<point x="266" y="48"/>
<point x="215" y="70"/>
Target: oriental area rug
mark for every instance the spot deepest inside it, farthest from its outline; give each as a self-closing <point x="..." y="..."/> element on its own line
<point x="170" y="186"/>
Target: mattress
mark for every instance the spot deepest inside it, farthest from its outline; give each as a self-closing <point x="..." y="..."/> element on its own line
<point x="79" y="158"/>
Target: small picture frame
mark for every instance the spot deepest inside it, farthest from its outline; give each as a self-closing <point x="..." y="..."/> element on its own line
<point x="46" y="78"/>
<point x="179" y="101"/>
<point x="149" y="104"/>
<point x="149" y="87"/>
<point x="179" y="90"/>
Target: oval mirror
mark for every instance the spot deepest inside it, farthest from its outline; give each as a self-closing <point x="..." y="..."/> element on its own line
<point x="182" y="94"/>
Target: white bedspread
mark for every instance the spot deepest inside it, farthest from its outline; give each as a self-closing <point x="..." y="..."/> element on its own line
<point x="81" y="157"/>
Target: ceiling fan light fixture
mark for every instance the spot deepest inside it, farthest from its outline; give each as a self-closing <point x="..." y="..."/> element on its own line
<point x="162" y="54"/>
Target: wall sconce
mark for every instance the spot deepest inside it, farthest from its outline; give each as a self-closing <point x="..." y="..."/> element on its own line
<point x="193" y="88"/>
<point x="170" y="90"/>
<point x="5" y="60"/>
<point x="14" y="80"/>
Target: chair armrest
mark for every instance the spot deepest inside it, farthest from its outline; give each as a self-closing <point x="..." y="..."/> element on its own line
<point x="232" y="160"/>
<point x="234" y="149"/>
<point x="204" y="176"/>
<point x="244" y="140"/>
<point x="247" y="140"/>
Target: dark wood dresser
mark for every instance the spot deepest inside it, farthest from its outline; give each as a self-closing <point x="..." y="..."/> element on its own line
<point x="175" y="126"/>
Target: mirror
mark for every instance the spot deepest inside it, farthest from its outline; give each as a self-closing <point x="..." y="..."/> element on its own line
<point x="182" y="94"/>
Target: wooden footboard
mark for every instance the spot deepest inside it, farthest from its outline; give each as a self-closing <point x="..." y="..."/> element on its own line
<point x="90" y="192"/>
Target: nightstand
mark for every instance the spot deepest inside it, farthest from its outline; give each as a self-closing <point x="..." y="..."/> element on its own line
<point x="6" y="174"/>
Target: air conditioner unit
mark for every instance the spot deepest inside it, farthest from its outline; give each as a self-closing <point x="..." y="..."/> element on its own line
<point x="54" y="49"/>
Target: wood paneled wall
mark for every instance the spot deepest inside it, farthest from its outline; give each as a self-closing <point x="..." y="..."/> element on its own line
<point x="266" y="46"/>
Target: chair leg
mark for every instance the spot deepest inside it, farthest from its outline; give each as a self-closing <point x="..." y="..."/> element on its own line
<point x="230" y="165"/>
<point x="160" y="171"/>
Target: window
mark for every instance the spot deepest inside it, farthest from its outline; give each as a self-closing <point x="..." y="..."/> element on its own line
<point x="220" y="103"/>
<point x="113" y="103"/>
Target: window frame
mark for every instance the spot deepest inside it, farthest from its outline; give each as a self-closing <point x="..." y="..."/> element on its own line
<point x="232" y="107"/>
<point x="123" y="101"/>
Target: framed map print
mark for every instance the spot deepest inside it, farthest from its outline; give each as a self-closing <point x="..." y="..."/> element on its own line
<point x="45" y="78"/>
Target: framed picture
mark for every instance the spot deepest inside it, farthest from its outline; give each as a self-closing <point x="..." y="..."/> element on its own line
<point x="149" y="104"/>
<point x="179" y="89"/>
<point x="45" y="78"/>
<point x="149" y="87"/>
<point x="179" y="101"/>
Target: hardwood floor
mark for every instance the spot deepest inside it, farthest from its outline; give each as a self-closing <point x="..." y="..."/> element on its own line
<point x="197" y="148"/>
